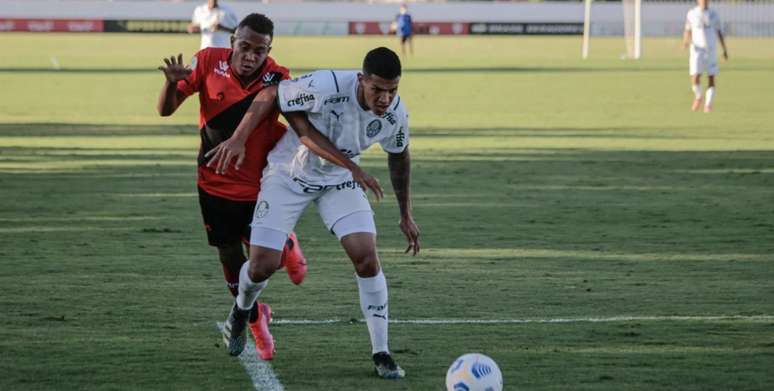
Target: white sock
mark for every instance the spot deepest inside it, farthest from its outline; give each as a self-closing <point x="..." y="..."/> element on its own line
<point x="710" y="96"/>
<point x="373" y="303"/>
<point x="248" y="290"/>
<point x="696" y="88"/>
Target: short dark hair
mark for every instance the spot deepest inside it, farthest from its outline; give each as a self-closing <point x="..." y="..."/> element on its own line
<point x="382" y="62"/>
<point x="258" y="23"/>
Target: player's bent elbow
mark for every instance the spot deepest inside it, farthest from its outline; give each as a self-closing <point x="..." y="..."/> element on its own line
<point x="164" y="112"/>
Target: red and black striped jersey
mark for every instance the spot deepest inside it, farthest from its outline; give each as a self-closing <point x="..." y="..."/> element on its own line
<point x="223" y="102"/>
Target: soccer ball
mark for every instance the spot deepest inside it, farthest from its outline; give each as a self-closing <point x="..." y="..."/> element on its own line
<point x="474" y="372"/>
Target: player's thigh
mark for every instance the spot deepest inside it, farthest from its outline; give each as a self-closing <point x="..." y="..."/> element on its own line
<point x="226" y="221"/>
<point x="696" y="64"/>
<point x="712" y="66"/>
<point x="343" y="201"/>
<point x="277" y="211"/>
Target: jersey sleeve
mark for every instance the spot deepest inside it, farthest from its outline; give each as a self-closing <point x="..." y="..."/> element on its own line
<point x="195" y="16"/>
<point x="192" y="84"/>
<point x="716" y="22"/>
<point x="400" y="139"/>
<point x="305" y="93"/>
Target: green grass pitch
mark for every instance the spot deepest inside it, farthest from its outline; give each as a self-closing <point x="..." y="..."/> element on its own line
<point x="546" y="187"/>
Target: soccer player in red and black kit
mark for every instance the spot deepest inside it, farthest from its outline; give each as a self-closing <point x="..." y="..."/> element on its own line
<point x="227" y="80"/>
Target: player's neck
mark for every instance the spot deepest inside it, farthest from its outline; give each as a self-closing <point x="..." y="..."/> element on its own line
<point x="361" y="98"/>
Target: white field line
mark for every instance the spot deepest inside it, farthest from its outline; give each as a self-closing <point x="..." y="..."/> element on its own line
<point x="260" y="372"/>
<point x="669" y="318"/>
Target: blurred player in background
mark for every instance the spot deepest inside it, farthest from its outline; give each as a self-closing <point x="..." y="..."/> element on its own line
<point x="403" y="27"/>
<point x="702" y="29"/>
<point x="354" y="110"/>
<point x="216" y="22"/>
<point x="227" y="80"/>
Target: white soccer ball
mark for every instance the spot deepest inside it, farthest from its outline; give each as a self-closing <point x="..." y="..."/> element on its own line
<point x="474" y="372"/>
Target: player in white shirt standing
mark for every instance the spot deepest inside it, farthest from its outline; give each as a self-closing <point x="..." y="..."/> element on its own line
<point x="216" y="22"/>
<point x="702" y="25"/>
<point x="353" y="110"/>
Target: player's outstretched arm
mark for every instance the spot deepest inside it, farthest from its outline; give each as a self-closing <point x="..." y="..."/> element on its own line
<point x="234" y="148"/>
<point x="723" y="44"/>
<point x="686" y="38"/>
<point x="323" y="147"/>
<point x="170" y="98"/>
<point x="400" y="175"/>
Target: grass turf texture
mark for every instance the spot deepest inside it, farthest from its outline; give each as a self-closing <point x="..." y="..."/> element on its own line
<point x="545" y="187"/>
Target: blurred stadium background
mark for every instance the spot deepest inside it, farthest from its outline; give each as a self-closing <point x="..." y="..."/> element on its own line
<point x="581" y="226"/>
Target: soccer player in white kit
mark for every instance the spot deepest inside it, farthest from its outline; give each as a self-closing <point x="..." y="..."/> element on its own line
<point x="353" y="110"/>
<point x="216" y="22"/>
<point x="702" y="25"/>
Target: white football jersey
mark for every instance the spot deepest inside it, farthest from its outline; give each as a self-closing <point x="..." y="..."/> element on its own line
<point x="205" y="17"/>
<point x="330" y="100"/>
<point x="704" y="25"/>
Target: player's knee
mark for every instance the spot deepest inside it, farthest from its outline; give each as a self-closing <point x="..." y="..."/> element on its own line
<point x="263" y="263"/>
<point x="261" y="271"/>
<point x="231" y="253"/>
<point x="367" y="264"/>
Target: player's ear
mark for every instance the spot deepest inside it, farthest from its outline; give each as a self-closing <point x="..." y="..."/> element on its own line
<point x="233" y="38"/>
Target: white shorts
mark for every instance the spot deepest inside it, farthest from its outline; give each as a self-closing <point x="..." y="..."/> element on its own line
<point x="282" y="201"/>
<point x="703" y="61"/>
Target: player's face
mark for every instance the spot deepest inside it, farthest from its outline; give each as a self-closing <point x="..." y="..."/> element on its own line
<point x="250" y="51"/>
<point x="378" y="92"/>
<point x="703" y="3"/>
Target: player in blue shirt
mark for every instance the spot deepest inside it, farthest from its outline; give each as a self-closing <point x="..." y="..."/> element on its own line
<point x="404" y="29"/>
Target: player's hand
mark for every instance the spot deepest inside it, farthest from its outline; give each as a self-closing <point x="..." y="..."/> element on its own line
<point x="725" y="55"/>
<point x="368" y="182"/>
<point x="410" y="229"/>
<point x="221" y="156"/>
<point x="175" y="70"/>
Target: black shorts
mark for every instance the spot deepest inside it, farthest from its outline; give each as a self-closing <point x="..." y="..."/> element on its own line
<point x="226" y="221"/>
